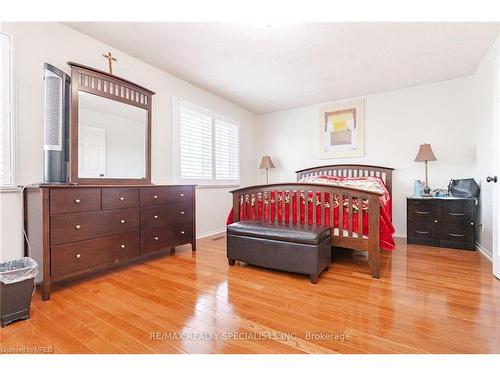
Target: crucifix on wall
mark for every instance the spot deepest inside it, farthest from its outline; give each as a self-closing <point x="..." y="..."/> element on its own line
<point x="110" y="61"/>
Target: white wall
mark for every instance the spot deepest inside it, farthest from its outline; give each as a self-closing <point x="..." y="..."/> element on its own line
<point x="483" y="117"/>
<point x="396" y="123"/>
<point x="36" y="43"/>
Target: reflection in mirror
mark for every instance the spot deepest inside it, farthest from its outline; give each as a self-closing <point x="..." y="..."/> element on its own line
<point x="112" y="138"/>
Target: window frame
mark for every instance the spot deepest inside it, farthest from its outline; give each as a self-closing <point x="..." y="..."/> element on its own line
<point x="11" y="185"/>
<point x="213" y="182"/>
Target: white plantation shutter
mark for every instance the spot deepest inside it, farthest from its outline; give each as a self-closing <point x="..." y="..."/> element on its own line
<point x="195" y="144"/>
<point x="208" y="146"/>
<point x="226" y="150"/>
<point x="6" y="175"/>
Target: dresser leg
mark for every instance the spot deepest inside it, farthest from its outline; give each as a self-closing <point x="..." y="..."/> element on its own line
<point x="172" y="250"/>
<point x="45" y="290"/>
<point x="193" y="245"/>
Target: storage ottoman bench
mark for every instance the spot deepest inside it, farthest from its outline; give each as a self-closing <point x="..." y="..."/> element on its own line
<point x="299" y="248"/>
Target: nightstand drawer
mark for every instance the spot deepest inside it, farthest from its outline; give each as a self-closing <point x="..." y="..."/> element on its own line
<point x="423" y="229"/>
<point x="426" y="209"/>
<point x="456" y="232"/>
<point x="457" y="210"/>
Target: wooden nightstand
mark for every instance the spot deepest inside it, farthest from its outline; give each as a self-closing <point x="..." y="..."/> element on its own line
<point x="443" y="222"/>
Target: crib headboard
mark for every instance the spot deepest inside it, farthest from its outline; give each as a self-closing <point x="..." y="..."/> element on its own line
<point x="350" y="170"/>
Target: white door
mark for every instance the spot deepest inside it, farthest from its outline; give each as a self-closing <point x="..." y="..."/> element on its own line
<point x="91" y="152"/>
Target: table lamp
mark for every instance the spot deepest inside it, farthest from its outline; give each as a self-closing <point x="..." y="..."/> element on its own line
<point x="266" y="164"/>
<point x="425" y="154"/>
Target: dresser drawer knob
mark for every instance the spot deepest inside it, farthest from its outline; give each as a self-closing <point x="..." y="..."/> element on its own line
<point x="122" y="198"/>
<point x="435" y="221"/>
<point x="122" y="246"/>
<point x="77" y="200"/>
<point x="182" y="232"/>
<point x="78" y="256"/>
<point x="182" y="194"/>
<point x="156" y="238"/>
<point x="472" y="224"/>
<point x="155" y="196"/>
<point x="77" y="227"/>
<point x="122" y="221"/>
<point x="182" y="212"/>
<point x="156" y="216"/>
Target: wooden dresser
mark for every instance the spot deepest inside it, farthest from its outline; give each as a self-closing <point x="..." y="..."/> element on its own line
<point x="76" y="229"/>
<point x="443" y="222"/>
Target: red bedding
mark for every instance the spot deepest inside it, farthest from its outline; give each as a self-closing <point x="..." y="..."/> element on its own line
<point x="252" y="208"/>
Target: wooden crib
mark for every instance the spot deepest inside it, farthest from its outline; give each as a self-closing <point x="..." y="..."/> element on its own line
<point x="287" y="202"/>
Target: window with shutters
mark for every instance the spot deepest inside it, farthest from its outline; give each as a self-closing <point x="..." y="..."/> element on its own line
<point x="6" y="139"/>
<point x="208" y="146"/>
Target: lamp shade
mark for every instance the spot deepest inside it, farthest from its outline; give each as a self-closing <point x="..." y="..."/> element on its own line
<point x="425" y="153"/>
<point x="266" y="163"/>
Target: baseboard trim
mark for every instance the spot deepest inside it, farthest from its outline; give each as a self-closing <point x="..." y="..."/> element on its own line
<point x="484" y="251"/>
<point x="208" y="234"/>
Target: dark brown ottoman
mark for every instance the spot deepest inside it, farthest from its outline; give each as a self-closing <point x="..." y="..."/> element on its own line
<point x="299" y="248"/>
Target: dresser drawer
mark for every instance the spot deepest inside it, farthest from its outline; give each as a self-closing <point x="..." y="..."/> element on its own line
<point x="423" y="229"/>
<point x="116" y="198"/>
<point x="181" y="213"/>
<point x="425" y="209"/>
<point x="163" y="195"/>
<point x="67" y="200"/>
<point x="83" y="255"/>
<point x="158" y="238"/>
<point x="75" y="227"/>
<point x="181" y="234"/>
<point x="165" y="215"/>
<point x="457" y="210"/>
<point x="461" y="232"/>
<point x="155" y="239"/>
<point x="155" y="216"/>
<point x="119" y="221"/>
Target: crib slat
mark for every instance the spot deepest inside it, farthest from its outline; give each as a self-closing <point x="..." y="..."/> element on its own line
<point x="349" y="223"/>
<point x="313" y="211"/>
<point x="268" y="207"/>
<point x="332" y="214"/>
<point x="305" y="207"/>
<point x="276" y="205"/>
<point x="360" y="217"/>
<point x="287" y="206"/>
<point x="341" y="215"/>
<point x="322" y="207"/>
<point x="297" y="206"/>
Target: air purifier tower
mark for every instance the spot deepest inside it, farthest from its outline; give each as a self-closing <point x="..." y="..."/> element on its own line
<point x="56" y="126"/>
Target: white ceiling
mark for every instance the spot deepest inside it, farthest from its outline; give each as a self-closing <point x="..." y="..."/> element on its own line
<point x="265" y="69"/>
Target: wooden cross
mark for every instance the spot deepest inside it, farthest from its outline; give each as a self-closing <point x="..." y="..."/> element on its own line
<point x="110" y="61"/>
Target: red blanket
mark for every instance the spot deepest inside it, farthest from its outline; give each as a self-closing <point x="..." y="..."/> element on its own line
<point x="257" y="207"/>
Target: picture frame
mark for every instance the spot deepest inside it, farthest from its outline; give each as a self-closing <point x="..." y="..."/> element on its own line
<point x="341" y="129"/>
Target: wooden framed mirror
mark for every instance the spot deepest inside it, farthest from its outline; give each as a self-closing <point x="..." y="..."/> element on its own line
<point x="110" y="129"/>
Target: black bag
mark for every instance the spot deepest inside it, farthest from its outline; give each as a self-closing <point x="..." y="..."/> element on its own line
<point x="464" y="188"/>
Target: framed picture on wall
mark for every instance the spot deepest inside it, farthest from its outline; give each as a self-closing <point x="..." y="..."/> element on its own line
<point x="341" y="130"/>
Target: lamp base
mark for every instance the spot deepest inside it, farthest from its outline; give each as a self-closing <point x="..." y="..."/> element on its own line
<point x="427" y="192"/>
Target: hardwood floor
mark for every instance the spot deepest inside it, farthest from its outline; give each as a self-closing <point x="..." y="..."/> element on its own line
<point x="428" y="300"/>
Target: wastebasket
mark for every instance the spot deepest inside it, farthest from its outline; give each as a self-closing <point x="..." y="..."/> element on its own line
<point x="17" y="283"/>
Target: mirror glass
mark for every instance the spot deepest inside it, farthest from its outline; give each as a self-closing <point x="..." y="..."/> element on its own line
<point x="112" y="138"/>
